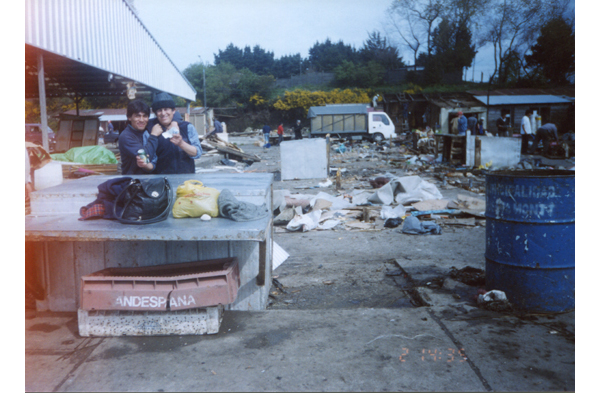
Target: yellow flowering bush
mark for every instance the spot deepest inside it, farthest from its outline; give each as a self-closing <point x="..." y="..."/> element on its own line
<point x="304" y="99"/>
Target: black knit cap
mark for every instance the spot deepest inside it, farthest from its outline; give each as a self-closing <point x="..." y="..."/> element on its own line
<point x="162" y="100"/>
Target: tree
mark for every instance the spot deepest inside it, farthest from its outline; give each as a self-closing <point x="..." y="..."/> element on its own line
<point x="327" y="56"/>
<point x="512" y="26"/>
<point x="378" y="50"/>
<point x="451" y="50"/>
<point x="256" y="59"/>
<point x="288" y="65"/>
<point x="232" y="55"/>
<point x="228" y="87"/>
<point x="554" y="52"/>
<point x="349" y="74"/>
<point x="414" y="21"/>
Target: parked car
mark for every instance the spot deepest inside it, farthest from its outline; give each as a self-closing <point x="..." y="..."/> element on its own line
<point x="33" y="134"/>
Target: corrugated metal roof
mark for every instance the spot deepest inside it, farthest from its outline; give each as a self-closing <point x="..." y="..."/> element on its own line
<point x="523" y="99"/>
<point x="105" y="36"/>
<point x="554" y="91"/>
<point x="337" y="109"/>
<point x="120" y="114"/>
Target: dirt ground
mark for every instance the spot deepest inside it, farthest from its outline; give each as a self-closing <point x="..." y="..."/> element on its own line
<point x="346" y="268"/>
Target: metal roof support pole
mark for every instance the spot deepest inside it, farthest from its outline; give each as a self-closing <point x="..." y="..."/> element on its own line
<point x="42" y="100"/>
<point x="204" y="87"/>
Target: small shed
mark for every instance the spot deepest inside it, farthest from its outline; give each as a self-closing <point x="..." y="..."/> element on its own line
<point x="443" y="107"/>
<point x="553" y="105"/>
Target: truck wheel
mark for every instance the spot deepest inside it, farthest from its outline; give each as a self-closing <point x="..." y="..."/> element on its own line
<point x="378" y="137"/>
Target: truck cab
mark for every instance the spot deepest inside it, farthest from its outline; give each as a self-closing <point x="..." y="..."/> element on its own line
<point x="381" y="126"/>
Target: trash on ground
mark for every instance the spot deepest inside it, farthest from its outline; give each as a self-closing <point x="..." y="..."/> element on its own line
<point x="326" y="183"/>
<point x="468" y="204"/>
<point x="413" y="226"/>
<point x="494" y="300"/>
<point x="388" y="212"/>
<point x="431" y="204"/>
<point x="279" y="255"/>
<point x="379" y="182"/>
<point x="468" y="275"/>
<point x="392" y="222"/>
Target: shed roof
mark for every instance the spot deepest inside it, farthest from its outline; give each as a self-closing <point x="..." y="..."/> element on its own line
<point x="523" y="99"/>
<point x="568" y="91"/>
<point x="120" y="114"/>
<point x="93" y="48"/>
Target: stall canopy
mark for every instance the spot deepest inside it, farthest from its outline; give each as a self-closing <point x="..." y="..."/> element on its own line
<point x="95" y="48"/>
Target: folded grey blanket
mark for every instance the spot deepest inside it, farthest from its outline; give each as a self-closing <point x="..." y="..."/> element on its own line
<point x="230" y="207"/>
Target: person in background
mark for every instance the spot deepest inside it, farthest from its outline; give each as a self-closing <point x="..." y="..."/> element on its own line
<point x="132" y="140"/>
<point x="298" y="130"/>
<point x="218" y="126"/>
<point x="454" y="125"/>
<point x="502" y="124"/>
<point x="479" y="127"/>
<point x="174" y="145"/>
<point x="526" y="134"/>
<point x="110" y="127"/>
<point x="280" y="133"/>
<point x="547" y="134"/>
<point x="266" y="133"/>
<point x="472" y="124"/>
<point x="462" y="124"/>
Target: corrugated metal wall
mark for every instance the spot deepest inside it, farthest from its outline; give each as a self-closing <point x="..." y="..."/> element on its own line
<point x="105" y="34"/>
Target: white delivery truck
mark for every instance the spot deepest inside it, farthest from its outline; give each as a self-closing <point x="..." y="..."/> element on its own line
<point x="352" y="121"/>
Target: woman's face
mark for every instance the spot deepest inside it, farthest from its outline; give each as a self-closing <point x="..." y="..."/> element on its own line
<point x="139" y="121"/>
<point x="165" y="116"/>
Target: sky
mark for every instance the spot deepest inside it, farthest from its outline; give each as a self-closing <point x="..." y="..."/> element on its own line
<point x="194" y="30"/>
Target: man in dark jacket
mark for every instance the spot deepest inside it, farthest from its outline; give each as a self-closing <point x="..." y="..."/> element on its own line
<point x="298" y="130"/>
<point x="173" y="145"/>
<point x="132" y="140"/>
<point x="472" y="125"/>
<point x="502" y="125"/>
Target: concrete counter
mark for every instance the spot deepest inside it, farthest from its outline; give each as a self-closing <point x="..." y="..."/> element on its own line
<point x="63" y="248"/>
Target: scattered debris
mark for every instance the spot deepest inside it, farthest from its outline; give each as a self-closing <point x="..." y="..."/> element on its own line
<point x="468" y="275"/>
<point x="413" y="226"/>
<point x="494" y="300"/>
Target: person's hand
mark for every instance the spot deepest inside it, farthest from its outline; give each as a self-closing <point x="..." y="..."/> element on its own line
<point x="141" y="162"/>
<point x="176" y="139"/>
<point x="156" y="130"/>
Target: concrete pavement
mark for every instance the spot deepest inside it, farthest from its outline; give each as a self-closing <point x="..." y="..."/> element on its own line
<point x="437" y="348"/>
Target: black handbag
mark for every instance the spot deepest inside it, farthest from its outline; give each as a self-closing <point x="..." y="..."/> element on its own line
<point x="144" y="201"/>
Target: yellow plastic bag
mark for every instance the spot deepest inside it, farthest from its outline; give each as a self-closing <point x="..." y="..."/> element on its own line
<point x="194" y="200"/>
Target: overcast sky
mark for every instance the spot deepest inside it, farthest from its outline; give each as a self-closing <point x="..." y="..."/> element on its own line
<point x="194" y="30"/>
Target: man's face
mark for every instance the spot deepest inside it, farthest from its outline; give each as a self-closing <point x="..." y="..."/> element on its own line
<point x="139" y="121"/>
<point x="165" y="116"/>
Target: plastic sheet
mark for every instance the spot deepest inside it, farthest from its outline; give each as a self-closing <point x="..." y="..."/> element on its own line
<point x="87" y="155"/>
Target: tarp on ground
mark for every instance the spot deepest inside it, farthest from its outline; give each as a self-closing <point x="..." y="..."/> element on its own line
<point x="87" y="155"/>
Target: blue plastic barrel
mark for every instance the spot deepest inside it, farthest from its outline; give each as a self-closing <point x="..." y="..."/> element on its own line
<point x="530" y="238"/>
